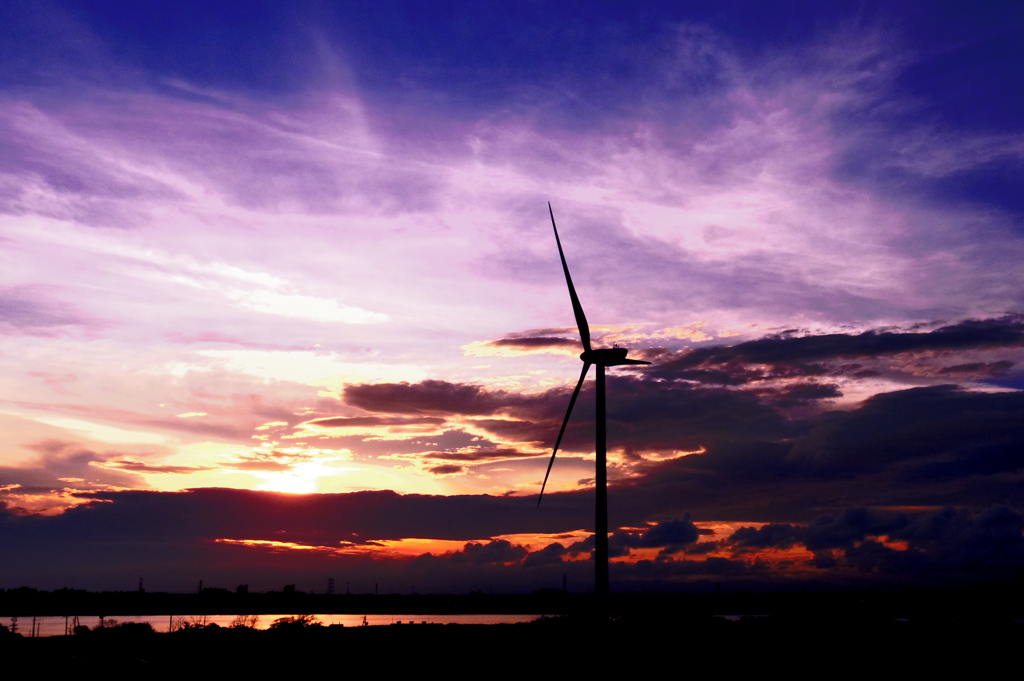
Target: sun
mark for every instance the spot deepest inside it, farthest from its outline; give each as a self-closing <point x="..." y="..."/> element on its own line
<point x="288" y="482"/>
<point x="302" y="478"/>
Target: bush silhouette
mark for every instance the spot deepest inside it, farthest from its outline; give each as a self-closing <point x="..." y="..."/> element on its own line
<point x="295" y="623"/>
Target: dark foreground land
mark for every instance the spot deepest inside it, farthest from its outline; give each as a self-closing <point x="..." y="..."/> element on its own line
<point x="818" y="633"/>
<point x="563" y="645"/>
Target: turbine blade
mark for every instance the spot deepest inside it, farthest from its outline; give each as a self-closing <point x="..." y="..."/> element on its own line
<point x="565" y="421"/>
<point x="630" y="361"/>
<point x="577" y="309"/>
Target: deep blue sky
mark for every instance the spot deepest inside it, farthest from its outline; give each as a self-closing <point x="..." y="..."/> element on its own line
<point x="573" y="65"/>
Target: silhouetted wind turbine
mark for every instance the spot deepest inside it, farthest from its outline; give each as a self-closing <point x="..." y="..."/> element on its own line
<point x="602" y="357"/>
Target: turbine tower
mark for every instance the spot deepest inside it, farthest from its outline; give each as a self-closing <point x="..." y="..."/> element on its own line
<point x="601" y="357"/>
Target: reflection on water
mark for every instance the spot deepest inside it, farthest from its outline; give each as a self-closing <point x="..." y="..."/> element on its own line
<point x="55" y="626"/>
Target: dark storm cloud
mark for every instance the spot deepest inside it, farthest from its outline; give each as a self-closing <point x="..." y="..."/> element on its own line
<point x="534" y="343"/>
<point x="446" y="469"/>
<point x="800" y="393"/>
<point x="672" y="536"/>
<point x="922" y="446"/>
<point x="743" y="401"/>
<point x="984" y="543"/>
<point x="550" y="555"/>
<point x="772" y="453"/>
<point x="315" y="519"/>
<point x="772" y="535"/>
<point x="500" y="551"/>
<point x="852" y="525"/>
<point x="819" y="478"/>
<point x="703" y="548"/>
<point x="428" y="397"/>
<point x="134" y="530"/>
<point x="372" y="421"/>
<point x="480" y="454"/>
<point x="795" y="353"/>
<point x="170" y="534"/>
<point x="935" y="423"/>
<point x="544" y="333"/>
<point x="980" y="368"/>
<point x="916" y="447"/>
<point x="649" y="415"/>
<point x="733" y="375"/>
<point x="173" y="559"/>
<point x="670" y="533"/>
<point x="644" y="415"/>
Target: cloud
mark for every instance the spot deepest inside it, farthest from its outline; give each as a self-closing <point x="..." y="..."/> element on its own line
<point x="850" y="527"/>
<point x="27" y="310"/>
<point x="236" y="425"/>
<point x="936" y="544"/>
<point x="796" y="394"/>
<point x="479" y="453"/>
<point x="670" y="534"/>
<point x="528" y="343"/>
<point x="761" y="450"/>
<point x="792" y="353"/>
<point x="428" y="397"/>
<point x="128" y="463"/>
<point x="214" y="337"/>
<point x="372" y="421"/>
<point x="979" y="369"/>
<point x="304" y="307"/>
<point x="56" y="382"/>
<point x="661" y="417"/>
<point x="229" y="528"/>
<point x="646" y="415"/>
<point x="61" y="467"/>
<point x="446" y="469"/>
<point x="512" y="346"/>
<point x="913" y="447"/>
<point x="316" y="519"/>
<point x="773" y="535"/>
<point x="912" y="425"/>
<point x="501" y="552"/>
<point x="271" y="461"/>
<point x="550" y="555"/>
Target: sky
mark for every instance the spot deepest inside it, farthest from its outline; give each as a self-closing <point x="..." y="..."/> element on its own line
<point x="280" y="300"/>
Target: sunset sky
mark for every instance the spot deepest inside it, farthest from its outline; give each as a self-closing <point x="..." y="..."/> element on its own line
<point x="280" y="301"/>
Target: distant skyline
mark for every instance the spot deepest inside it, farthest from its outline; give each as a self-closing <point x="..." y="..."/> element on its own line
<point x="279" y="298"/>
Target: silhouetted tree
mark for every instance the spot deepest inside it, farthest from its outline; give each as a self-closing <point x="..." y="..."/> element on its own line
<point x="245" y="622"/>
<point x="295" y="623"/>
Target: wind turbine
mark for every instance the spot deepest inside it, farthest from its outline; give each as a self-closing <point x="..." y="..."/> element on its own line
<point x="601" y="358"/>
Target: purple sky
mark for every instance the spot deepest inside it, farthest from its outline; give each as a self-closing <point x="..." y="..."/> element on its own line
<point x="307" y="250"/>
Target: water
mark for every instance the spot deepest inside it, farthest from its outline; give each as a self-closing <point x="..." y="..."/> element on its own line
<point x="55" y="626"/>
